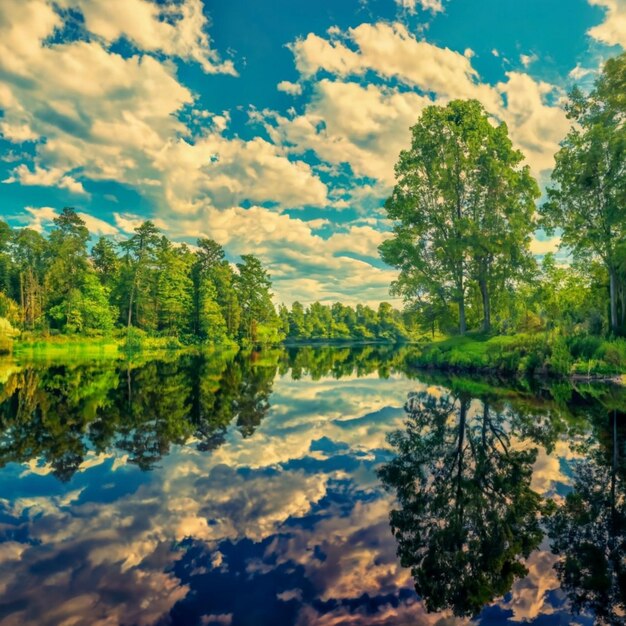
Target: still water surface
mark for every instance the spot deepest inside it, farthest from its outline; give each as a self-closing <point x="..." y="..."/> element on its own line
<point x="312" y="486"/>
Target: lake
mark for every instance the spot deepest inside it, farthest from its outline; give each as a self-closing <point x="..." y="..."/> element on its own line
<point x="306" y="486"/>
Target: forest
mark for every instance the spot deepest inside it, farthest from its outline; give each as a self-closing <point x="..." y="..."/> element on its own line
<point x="464" y="210"/>
<point x="148" y="286"/>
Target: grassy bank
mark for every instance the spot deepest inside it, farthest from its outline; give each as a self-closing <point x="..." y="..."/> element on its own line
<point x="115" y="345"/>
<point x="542" y="354"/>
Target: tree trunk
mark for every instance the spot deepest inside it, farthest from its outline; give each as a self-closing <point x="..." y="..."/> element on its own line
<point x="462" y="322"/>
<point x="484" y="291"/>
<point x="459" y="478"/>
<point x="22" y="303"/>
<point x="613" y="298"/>
<point x="130" y="305"/>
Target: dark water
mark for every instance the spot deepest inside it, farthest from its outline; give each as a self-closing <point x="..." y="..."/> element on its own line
<point x="326" y="486"/>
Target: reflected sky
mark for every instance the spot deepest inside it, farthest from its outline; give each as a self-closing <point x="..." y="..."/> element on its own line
<point x="246" y="489"/>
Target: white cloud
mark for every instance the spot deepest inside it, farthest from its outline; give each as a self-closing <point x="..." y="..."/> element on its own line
<point x="370" y="134"/>
<point x="527" y="59"/>
<point x="97" y="226"/>
<point x="613" y="30"/>
<point x="40" y="217"/>
<point x="579" y="72"/>
<point x="224" y="172"/>
<point x="53" y="177"/>
<point x="293" y="89"/>
<point x="303" y="266"/>
<point x="541" y="247"/>
<point x="96" y="110"/>
<point x="174" y="28"/>
<point x="362" y="240"/>
<point x="127" y="222"/>
<point x="436" y="6"/>
<point x="368" y="137"/>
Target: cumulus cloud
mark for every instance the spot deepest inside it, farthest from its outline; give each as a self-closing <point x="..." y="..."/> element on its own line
<point x="612" y="30"/>
<point x="53" y="177"/>
<point x="287" y="243"/>
<point x="293" y="89"/>
<point x="543" y="246"/>
<point x="527" y="59"/>
<point x="174" y="28"/>
<point x="87" y="107"/>
<point x="39" y="217"/>
<point x="222" y="173"/>
<point x="436" y="6"/>
<point x="368" y="136"/>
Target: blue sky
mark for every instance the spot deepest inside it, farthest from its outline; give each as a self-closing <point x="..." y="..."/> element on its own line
<point x="271" y="127"/>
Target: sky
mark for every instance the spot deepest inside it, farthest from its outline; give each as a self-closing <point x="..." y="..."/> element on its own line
<point x="271" y="127"/>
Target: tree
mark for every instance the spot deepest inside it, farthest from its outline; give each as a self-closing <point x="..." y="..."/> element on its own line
<point x="106" y="262"/>
<point x="253" y="284"/>
<point x="461" y="206"/>
<point x="297" y="322"/>
<point x="215" y="299"/>
<point x="587" y="200"/>
<point x="29" y="252"/>
<point x="140" y="252"/>
<point x="174" y="287"/>
<point x="67" y="270"/>
<point x="6" y="235"/>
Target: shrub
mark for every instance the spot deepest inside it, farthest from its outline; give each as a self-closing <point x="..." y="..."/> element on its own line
<point x="613" y="352"/>
<point x="134" y="339"/>
<point x="584" y="346"/>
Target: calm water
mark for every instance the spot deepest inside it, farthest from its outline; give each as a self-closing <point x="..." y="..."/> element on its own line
<point x="325" y="486"/>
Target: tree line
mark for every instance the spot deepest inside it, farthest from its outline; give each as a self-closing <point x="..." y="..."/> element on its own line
<point x="145" y="283"/>
<point x="464" y="209"/>
<point x="57" y="284"/>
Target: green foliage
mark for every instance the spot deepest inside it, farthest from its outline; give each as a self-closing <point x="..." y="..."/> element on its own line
<point x="163" y="293"/>
<point x="546" y="353"/>
<point x="587" y="199"/>
<point x="462" y="209"/>
<point x="339" y="322"/>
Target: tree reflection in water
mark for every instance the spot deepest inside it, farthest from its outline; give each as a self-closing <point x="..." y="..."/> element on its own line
<point x="467" y="515"/>
<point x="58" y="414"/>
<point x="589" y="530"/>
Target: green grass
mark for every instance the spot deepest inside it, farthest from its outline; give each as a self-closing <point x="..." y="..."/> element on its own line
<point x="547" y="354"/>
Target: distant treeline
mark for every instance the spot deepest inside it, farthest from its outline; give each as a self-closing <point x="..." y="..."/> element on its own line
<point x="342" y="322"/>
<point x="148" y="285"/>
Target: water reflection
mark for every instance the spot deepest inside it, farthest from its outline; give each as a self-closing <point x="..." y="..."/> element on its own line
<point x="244" y="489"/>
<point x="589" y="530"/>
<point x="468" y="516"/>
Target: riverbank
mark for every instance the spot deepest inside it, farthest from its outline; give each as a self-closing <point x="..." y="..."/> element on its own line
<point x="579" y="358"/>
<point x="137" y="341"/>
<point x="541" y="354"/>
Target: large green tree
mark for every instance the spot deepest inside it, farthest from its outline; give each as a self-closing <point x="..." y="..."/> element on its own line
<point x="253" y="284"/>
<point x="587" y="200"/>
<point x="216" y="304"/>
<point x="139" y="262"/>
<point x="462" y="209"/>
